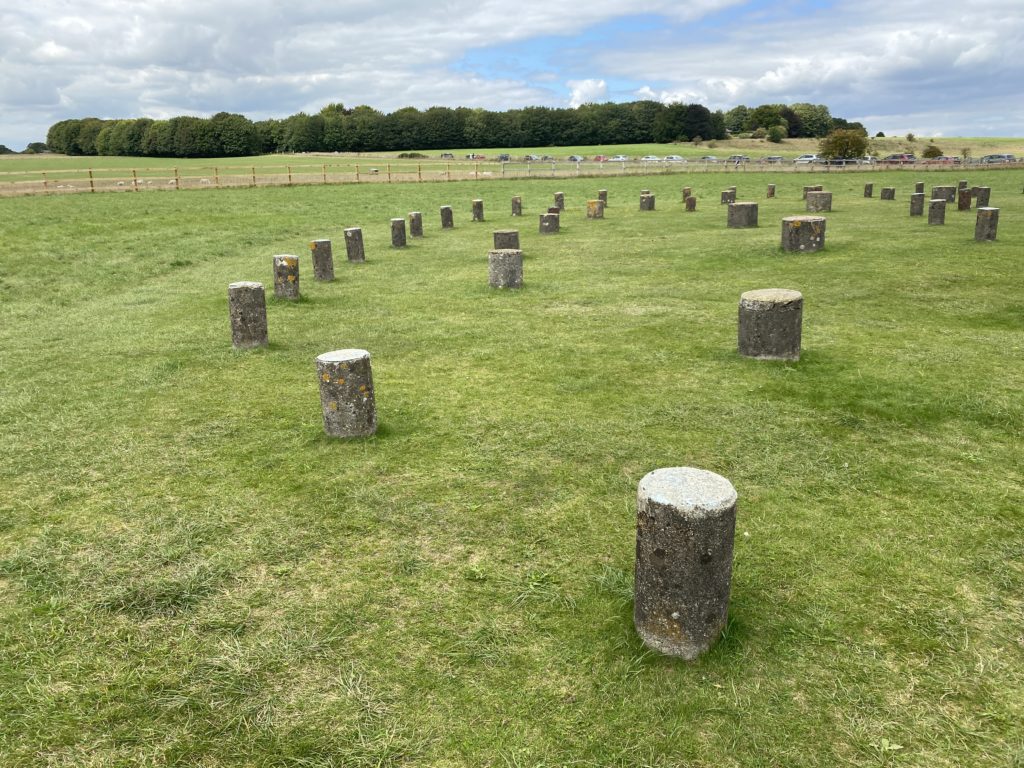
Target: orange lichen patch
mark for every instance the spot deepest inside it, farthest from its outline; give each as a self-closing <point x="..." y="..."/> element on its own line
<point x="340" y="380"/>
<point x="325" y="376"/>
<point x="333" y="405"/>
<point x="312" y="246"/>
<point x="291" y="278"/>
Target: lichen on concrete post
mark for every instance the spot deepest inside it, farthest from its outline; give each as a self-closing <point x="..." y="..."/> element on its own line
<point x="247" y="307"/>
<point x="517" y="206"/>
<point x="560" y="201"/>
<point x="595" y="209"/>
<point x="323" y="260"/>
<point x="917" y="204"/>
<point x="818" y="202"/>
<point x="869" y="190"/>
<point x="505" y="268"/>
<point x="447" y="218"/>
<point x="937" y="211"/>
<point x="346" y="393"/>
<point x="981" y="199"/>
<point x="771" y="191"/>
<point x="691" y="204"/>
<point x="685" y="529"/>
<point x="602" y="195"/>
<point x="354" y="244"/>
<point x="962" y="184"/>
<point x="647" y="202"/>
<point x="286" y="277"/>
<point x="549" y="223"/>
<point x="416" y="224"/>
<point x="742" y="215"/>
<point x="505" y="239"/>
<point x="803" y="233"/>
<point x="947" y="193"/>
<point x="963" y="199"/>
<point x="728" y="196"/>
<point x="987" y="224"/>
<point x="770" y="324"/>
<point x="398" y="233"/>
<point x="888" y="193"/>
<point x="478" y="210"/>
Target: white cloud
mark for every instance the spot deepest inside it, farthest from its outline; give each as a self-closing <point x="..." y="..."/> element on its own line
<point x="587" y="91"/>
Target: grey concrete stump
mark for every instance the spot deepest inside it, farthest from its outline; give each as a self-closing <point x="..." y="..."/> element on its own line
<point x="554" y="209"/>
<point x="447" y="220"/>
<point x="415" y="224"/>
<point x="981" y="200"/>
<point x="354" y="244"/>
<point x="549" y="223"/>
<point x="602" y="195"/>
<point x="647" y="202"/>
<point x="917" y="204"/>
<point x="770" y="321"/>
<point x="398" y="233"/>
<point x="742" y="215"/>
<point x="919" y="188"/>
<point x="937" y="212"/>
<point x="963" y="199"/>
<point x="560" y="200"/>
<point x="731" y="189"/>
<point x="323" y="260"/>
<point x="888" y="193"/>
<point x="962" y="184"/>
<point x="685" y="527"/>
<point x="505" y="268"/>
<point x="346" y="393"/>
<point x="771" y="191"/>
<point x="728" y="196"/>
<point x="517" y="206"/>
<point x="478" y="210"/>
<point x="595" y="209"/>
<point x="869" y="190"/>
<point x="286" y="277"/>
<point x="691" y="204"/>
<point x="944" y="193"/>
<point x="687" y="192"/>
<point x="988" y="222"/>
<point x="803" y="233"/>
<point x="812" y="188"/>
<point x="818" y="202"/>
<point x="644" y="192"/>
<point x="506" y="238"/>
<point x="247" y="306"/>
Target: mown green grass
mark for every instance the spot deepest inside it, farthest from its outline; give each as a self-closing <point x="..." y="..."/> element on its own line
<point x="192" y="573"/>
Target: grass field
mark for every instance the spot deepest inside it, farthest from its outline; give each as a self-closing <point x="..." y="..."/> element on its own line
<point x="191" y="573"/>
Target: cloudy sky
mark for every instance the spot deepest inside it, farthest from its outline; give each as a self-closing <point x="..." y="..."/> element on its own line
<point x="934" y="67"/>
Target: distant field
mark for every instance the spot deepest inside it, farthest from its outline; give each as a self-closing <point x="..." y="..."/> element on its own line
<point x="191" y="573"/>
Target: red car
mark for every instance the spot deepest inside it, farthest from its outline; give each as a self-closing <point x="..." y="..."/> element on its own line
<point x="600" y="158"/>
<point x="903" y="158"/>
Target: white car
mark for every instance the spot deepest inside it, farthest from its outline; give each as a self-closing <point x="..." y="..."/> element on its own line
<point x="650" y="159"/>
<point x="619" y="159"/>
<point x="808" y="159"/>
<point x="674" y="159"/>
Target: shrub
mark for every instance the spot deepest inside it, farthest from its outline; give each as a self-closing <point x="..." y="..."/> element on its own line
<point x="411" y="156"/>
<point x="776" y="134"/>
<point x="931" y="151"/>
<point x="845" y="142"/>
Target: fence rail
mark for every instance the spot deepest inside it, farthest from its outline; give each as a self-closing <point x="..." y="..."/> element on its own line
<point x="70" y="181"/>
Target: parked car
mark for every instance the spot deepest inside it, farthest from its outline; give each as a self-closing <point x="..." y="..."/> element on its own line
<point x="674" y="159"/>
<point x="650" y="159"/>
<point x="576" y="158"/>
<point x="504" y="157"/>
<point x="531" y="158"/>
<point x="772" y="159"/>
<point x="600" y="158"/>
<point x="868" y="160"/>
<point x="620" y="159"/>
<point x="447" y="156"/>
<point x="474" y="156"/>
<point x="737" y="159"/>
<point x="941" y="160"/>
<point x="808" y="160"/>
<point x="995" y="159"/>
<point x="842" y="161"/>
<point x="900" y="158"/>
<point x="709" y="159"/>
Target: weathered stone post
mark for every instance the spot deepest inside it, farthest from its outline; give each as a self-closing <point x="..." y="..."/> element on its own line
<point x="806" y="190"/>
<point x="286" y="277"/>
<point x="986" y="225"/>
<point x="560" y="200"/>
<point x="647" y="202"/>
<point x="517" y="206"/>
<point x="770" y="321"/>
<point x="946" y="193"/>
<point x="416" y="224"/>
<point x="983" y="196"/>
<point x="505" y="239"/>
<point x="644" y="192"/>
<point x="398" y="233"/>
<point x="549" y="223"/>
<point x="687" y="192"/>
<point x="505" y="268"/>
<point x="685" y="527"/>
<point x="917" y="204"/>
<point x="962" y="184"/>
<point x="742" y="215"/>
<point x="602" y="195"/>
<point x="691" y="204"/>
<point x="447" y="220"/>
<point x="803" y="233"/>
<point x="888" y="193"/>
<point x="818" y="202"/>
<point x="478" y="210"/>
<point x="963" y="199"/>
<point x="354" y="244"/>
<point x="937" y="211"/>
<point x="869" y="190"/>
<point x="595" y="209"/>
<point x="247" y="306"/>
<point x="919" y="187"/>
<point x="323" y="260"/>
<point x="728" y="196"/>
<point x="771" y="191"/>
<point x="346" y="393"/>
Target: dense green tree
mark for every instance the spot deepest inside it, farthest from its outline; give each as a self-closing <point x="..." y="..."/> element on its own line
<point x="736" y="119"/>
<point x="5" y="150"/>
<point x="158" y="140"/>
<point x="36" y="147"/>
<point x="843" y="142"/>
<point x="235" y="135"/>
<point x="764" y="116"/>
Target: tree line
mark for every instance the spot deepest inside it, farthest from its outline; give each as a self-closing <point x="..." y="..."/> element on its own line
<point x="364" y="129"/>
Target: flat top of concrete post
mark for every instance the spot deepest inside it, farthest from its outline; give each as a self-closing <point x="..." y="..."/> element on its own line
<point x="803" y="218"/>
<point x="743" y="202"/>
<point x="504" y="250"/>
<point x="353" y="229"/>
<point x="245" y="284"/>
<point x="342" y="356"/>
<point x="694" y="493"/>
<point x="445" y="206"/>
<point x="286" y="257"/>
<point x="771" y="296"/>
<point x="478" y="200"/>
<point x="415" y="213"/>
<point x="399" y="219"/>
<point x="320" y="240"/>
<point x="506" y="231"/>
<point x="986" y="208"/>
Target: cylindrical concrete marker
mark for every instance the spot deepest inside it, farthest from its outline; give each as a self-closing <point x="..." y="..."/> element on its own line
<point x="447" y="219"/>
<point x="416" y="224"/>
<point x="917" y="204"/>
<point x="803" y="233"/>
<point x="742" y="215"/>
<point x="505" y="239"/>
<point x="354" y="244"/>
<point x="549" y="224"/>
<point x="346" y="393"/>
<point x="478" y="210"/>
<point x="286" y="277"/>
<point x="986" y="225"/>
<point x="398" y="233"/>
<point x="247" y="306"/>
<point x="818" y="202"/>
<point x="937" y="211"/>
<point x="505" y="268"/>
<point x="323" y="260"/>
<point x="770" y="324"/>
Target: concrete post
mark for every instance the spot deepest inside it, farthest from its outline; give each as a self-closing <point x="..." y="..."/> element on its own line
<point x="771" y="191"/>
<point x="416" y="224"/>
<point x="770" y="323"/>
<point x="983" y="197"/>
<point x="517" y="206"/>
<point x="691" y="204"/>
<point x="505" y="268"/>
<point x="478" y="210"/>
<point x="818" y="202"/>
<point x="937" y="212"/>
<point x="505" y="239"/>
<point x="647" y="202"/>
<point x="447" y="220"/>
<point x="917" y="204"/>
<point x="963" y="199"/>
<point x="398" y="233"/>
<point x="323" y="260"/>
<point x="869" y="190"/>
<point x="247" y="307"/>
<point x="888" y="193"/>
<point x="803" y="233"/>
<point x="549" y="223"/>
<point x="286" y="277"/>
<point x="742" y="215"/>
<point x="595" y="209"/>
<point x="346" y="393"/>
<point x="354" y="244"/>
<point x="560" y="200"/>
<point x="986" y="225"/>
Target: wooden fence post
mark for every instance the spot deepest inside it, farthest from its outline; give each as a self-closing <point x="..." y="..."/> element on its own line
<point x="389" y="173"/>
<point x="419" y="172"/>
<point x="289" y="174"/>
<point x="357" y="172"/>
<point x="254" y="175"/>
<point x="177" y="179"/>
<point x="92" y="186"/>
<point x="324" y="169"/>
<point x="216" y="176"/>
<point x="135" y="180"/>
<point x="448" y="171"/>
<point x="46" y="188"/>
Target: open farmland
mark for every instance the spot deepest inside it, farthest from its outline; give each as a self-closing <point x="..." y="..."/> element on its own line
<point x="192" y="573"/>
